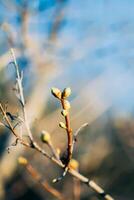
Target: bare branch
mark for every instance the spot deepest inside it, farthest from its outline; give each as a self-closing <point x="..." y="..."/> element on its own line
<point x="65" y="112"/>
<point x="19" y="78"/>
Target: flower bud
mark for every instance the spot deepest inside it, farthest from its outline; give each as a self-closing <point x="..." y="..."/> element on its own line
<point x="58" y="151"/>
<point x="64" y="112"/>
<point x="56" y="92"/>
<point x="66" y="105"/>
<point x="45" y="137"/>
<point x="66" y="92"/>
<point x="62" y="125"/>
<point x="22" y="160"/>
<point x="74" y="164"/>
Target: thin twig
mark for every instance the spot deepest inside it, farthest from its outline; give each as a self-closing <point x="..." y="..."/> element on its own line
<point x="70" y="138"/>
<point x="53" y="150"/>
<point x="77" y="132"/>
<point x="36" y="175"/>
<point x="76" y="189"/>
<point x="76" y="186"/>
<point x="19" y="78"/>
<point x="12" y="145"/>
<point x="69" y="142"/>
<point x="9" y="125"/>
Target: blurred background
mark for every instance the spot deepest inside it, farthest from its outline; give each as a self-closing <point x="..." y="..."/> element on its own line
<point x="88" y="46"/>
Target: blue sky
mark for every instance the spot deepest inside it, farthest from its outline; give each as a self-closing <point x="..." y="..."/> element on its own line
<point x="96" y="37"/>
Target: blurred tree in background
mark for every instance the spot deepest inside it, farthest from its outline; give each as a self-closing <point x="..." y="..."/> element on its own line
<point x="87" y="45"/>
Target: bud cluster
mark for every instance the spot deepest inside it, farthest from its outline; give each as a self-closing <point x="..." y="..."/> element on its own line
<point x="62" y="96"/>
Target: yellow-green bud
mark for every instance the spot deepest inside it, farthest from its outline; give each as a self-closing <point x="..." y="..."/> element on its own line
<point x="66" y="105"/>
<point x="66" y="92"/>
<point x="74" y="164"/>
<point x="56" y="92"/>
<point x="64" y="112"/>
<point x="45" y="137"/>
<point x="22" y="160"/>
<point x="62" y="125"/>
<point x="58" y="151"/>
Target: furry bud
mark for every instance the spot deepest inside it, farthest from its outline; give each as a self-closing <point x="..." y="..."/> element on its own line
<point x="66" y="92"/>
<point x="62" y="125"/>
<point x="66" y="105"/>
<point x="74" y="164"/>
<point x="45" y="137"/>
<point x="22" y="160"/>
<point x="64" y="112"/>
<point x="58" y="151"/>
<point x="56" y="92"/>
